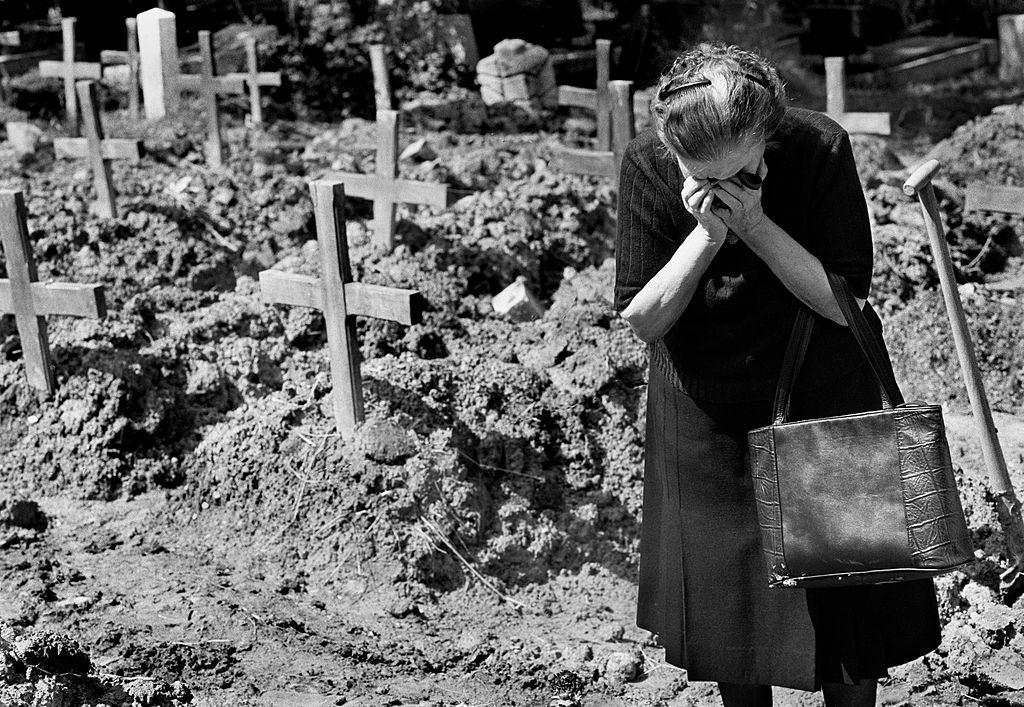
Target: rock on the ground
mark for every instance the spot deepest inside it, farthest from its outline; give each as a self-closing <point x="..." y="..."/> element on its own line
<point x="624" y="666"/>
<point x="24" y="137"/>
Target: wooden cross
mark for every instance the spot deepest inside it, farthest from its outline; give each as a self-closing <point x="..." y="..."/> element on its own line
<point x="31" y="301"/>
<point x="98" y="150"/>
<point x="254" y="78"/>
<point x="596" y="99"/>
<point x="70" y="71"/>
<point x="129" y="58"/>
<point x="341" y="301"/>
<point x="605" y="163"/>
<point x="835" y="103"/>
<point x="208" y="88"/>
<point x="385" y="188"/>
<point x="381" y="80"/>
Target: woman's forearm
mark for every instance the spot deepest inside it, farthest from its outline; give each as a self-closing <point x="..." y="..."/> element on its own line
<point x="657" y="306"/>
<point x="800" y="271"/>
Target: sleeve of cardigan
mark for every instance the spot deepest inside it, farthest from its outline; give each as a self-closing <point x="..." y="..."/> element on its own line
<point x="642" y="245"/>
<point x="839" y="218"/>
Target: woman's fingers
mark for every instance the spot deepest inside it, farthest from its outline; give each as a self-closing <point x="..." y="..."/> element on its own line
<point x="728" y="199"/>
<point x="707" y="201"/>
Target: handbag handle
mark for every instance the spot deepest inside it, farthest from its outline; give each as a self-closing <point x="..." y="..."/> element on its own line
<point x="868" y="341"/>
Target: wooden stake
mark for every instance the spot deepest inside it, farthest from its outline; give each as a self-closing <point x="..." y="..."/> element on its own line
<point x="208" y="87"/>
<point x="920" y="184"/>
<point x="384" y="187"/>
<point x="381" y="80"/>
<point x="255" y="107"/>
<point x="597" y="99"/>
<point x="133" y="68"/>
<point x="98" y="150"/>
<point x="30" y="300"/>
<point x="70" y="71"/>
<point x="835" y="103"/>
<point x="341" y="300"/>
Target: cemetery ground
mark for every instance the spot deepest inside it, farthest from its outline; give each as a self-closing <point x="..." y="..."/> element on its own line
<point x="183" y="509"/>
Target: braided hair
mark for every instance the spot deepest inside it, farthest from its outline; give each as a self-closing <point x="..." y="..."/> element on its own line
<point x="715" y="97"/>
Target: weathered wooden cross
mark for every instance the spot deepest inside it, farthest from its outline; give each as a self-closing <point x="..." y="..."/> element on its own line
<point x="835" y="102"/>
<point x="385" y="188"/>
<point x="381" y="80"/>
<point x="605" y="163"/>
<point x="596" y="99"/>
<point x="31" y="301"/>
<point x="129" y="58"/>
<point x="98" y="150"/>
<point x="70" y="71"/>
<point x="254" y="78"/>
<point x="341" y="301"/>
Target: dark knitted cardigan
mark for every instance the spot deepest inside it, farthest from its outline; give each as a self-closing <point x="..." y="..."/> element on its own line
<point x="728" y="344"/>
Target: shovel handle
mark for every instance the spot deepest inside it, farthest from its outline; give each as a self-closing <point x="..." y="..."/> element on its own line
<point x="920" y="183"/>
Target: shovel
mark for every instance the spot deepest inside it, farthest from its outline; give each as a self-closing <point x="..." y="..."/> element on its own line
<point x="1008" y="507"/>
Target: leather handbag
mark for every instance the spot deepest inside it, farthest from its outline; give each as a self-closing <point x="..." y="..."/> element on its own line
<point x="864" y="498"/>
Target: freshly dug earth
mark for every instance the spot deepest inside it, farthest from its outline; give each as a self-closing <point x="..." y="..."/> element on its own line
<point x="476" y="541"/>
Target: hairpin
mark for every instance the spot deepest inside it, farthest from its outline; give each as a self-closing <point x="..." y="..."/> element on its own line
<point x="672" y="87"/>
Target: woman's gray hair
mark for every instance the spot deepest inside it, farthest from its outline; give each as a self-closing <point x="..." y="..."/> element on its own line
<point x="716" y="97"/>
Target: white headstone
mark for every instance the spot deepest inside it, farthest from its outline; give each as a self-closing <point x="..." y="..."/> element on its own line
<point x="158" y="60"/>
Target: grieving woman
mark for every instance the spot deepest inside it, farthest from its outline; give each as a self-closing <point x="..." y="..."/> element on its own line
<point x="730" y="213"/>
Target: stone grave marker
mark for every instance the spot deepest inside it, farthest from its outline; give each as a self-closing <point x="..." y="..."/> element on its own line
<point x="518" y="73"/>
<point x="835" y="87"/>
<point x="341" y="300"/>
<point x="31" y="301"/>
<point x="158" y="62"/>
<point x="98" y="150"/>
<point x="596" y="99"/>
<point x="384" y="188"/>
<point x="1011" y="48"/>
<point x="605" y="163"/>
<point x="70" y="70"/>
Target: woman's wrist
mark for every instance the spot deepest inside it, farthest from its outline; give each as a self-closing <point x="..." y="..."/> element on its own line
<point x="703" y="234"/>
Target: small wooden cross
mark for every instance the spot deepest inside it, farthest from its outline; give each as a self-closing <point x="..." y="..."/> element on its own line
<point x="605" y="163"/>
<point x="385" y="188"/>
<point x="70" y="71"/>
<point x="835" y="103"/>
<point x="31" y="301"/>
<point x="208" y="88"/>
<point x="381" y="80"/>
<point x="341" y="301"/>
<point x="596" y="99"/>
<point x="98" y="150"/>
<point x="129" y="58"/>
<point x="254" y="78"/>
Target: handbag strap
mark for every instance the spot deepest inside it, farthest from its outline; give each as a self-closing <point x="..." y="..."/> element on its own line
<point x="867" y="339"/>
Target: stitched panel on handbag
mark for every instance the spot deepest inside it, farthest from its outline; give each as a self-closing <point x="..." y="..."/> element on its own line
<point x="841" y="496"/>
<point x="761" y="457"/>
<point x="935" y="519"/>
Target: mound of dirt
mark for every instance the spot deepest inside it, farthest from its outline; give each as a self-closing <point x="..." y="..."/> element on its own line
<point x="47" y="668"/>
<point x="924" y="356"/>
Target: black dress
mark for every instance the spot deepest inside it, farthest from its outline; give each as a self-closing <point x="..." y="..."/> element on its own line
<point x="703" y="583"/>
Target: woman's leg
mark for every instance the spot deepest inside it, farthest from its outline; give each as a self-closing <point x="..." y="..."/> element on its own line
<point x="737" y="695"/>
<point x="841" y="695"/>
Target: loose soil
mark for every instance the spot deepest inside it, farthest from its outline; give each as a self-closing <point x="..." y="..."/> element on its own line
<point x="182" y="526"/>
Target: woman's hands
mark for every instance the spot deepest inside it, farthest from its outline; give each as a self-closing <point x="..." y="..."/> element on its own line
<point x="698" y="196"/>
<point x="739" y="207"/>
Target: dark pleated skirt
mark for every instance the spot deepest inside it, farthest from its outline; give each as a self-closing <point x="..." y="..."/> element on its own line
<point x="703" y="582"/>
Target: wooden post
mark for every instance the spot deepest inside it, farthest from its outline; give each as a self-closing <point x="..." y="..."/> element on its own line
<point x="97" y="150"/>
<point x="214" y="146"/>
<point x="381" y="80"/>
<point x="70" y="71"/>
<point x="384" y="187"/>
<point x="835" y="103"/>
<point x="920" y="184"/>
<point x="133" y="68"/>
<point x="159" y="68"/>
<point x="597" y="99"/>
<point x="341" y="300"/>
<point x="30" y="301"/>
<point x="255" y="107"/>
<point x="1011" y="48"/>
<point x="605" y="163"/>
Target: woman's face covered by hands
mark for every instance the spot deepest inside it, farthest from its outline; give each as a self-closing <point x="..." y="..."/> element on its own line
<point x="724" y="194"/>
